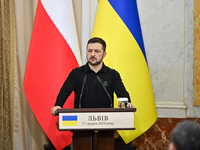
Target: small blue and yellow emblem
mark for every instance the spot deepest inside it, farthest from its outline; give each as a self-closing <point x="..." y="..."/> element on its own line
<point x="69" y="120"/>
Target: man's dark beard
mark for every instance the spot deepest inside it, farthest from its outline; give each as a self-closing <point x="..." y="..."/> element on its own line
<point x="96" y="63"/>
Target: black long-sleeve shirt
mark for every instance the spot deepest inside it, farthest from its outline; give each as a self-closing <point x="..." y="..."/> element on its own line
<point x="93" y="95"/>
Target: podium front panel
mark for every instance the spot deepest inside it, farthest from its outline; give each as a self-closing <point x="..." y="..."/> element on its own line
<point x="95" y="120"/>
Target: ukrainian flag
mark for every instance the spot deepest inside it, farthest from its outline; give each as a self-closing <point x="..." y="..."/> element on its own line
<point x="117" y="22"/>
<point x="69" y="120"/>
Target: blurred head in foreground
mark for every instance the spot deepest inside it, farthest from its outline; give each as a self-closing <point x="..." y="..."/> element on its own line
<point x="185" y="136"/>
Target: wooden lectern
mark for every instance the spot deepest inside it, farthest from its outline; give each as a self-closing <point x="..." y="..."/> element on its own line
<point x="93" y="128"/>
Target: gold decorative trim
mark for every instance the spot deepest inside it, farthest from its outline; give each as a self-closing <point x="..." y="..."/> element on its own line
<point x="196" y="74"/>
<point x="5" y="46"/>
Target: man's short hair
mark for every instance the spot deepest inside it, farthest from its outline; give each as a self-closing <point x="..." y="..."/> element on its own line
<point x="98" y="40"/>
<point x="186" y="136"/>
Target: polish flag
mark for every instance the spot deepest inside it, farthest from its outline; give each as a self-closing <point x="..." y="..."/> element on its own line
<point x="53" y="53"/>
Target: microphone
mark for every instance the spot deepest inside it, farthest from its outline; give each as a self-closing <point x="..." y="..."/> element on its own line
<point x="99" y="79"/>
<point x="84" y="80"/>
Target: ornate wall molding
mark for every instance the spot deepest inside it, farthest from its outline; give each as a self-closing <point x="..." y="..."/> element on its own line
<point x="171" y="109"/>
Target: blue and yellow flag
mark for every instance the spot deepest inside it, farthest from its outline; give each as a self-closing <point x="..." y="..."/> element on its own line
<point x="69" y="120"/>
<point x="117" y="22"/>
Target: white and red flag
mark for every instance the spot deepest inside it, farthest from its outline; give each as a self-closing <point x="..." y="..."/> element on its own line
<point x="53" y="53"/>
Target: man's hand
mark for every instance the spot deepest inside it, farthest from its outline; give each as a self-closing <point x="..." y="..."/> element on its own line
<point x="130" y="105"/>
<point x="54" y="110"/>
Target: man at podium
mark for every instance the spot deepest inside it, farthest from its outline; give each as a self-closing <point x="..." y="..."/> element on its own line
<point x="94" y="83"/>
